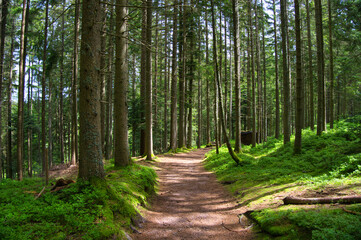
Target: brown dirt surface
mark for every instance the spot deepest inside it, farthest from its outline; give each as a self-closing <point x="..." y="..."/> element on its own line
<point x="190" y="204"/>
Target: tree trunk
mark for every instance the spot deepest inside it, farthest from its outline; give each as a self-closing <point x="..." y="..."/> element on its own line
<point x="90" y="151"/>
<point x="230" y="150"/>
<point x="326" y="200"/>
<point x="299" y="81"/>
<point x="286" y="79"/>
<point x="74" y="115"/>
<point x="278" y="120"/>
<point x="166" y="84"/>
<point x="22" y="63"/>
<point x="121" y="148"/>
<point x="208" y="130"/>
<point x="254" y="108"/>
<point x="3" y="18"/>
<point x="173" y="117"/>
<point x="148" y="87"/>
<point x="265" y="114"/>
<point x="237" y="74"/>
<point x="320" y="69"/>
<point x="103" y="46"/>
<point x="9" y="163"/>
<point x="61" y="107"/>
<point x="331" y="64"/>
<point x="182" y="47"/>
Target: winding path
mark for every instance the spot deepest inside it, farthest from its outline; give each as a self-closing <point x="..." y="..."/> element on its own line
<point x="190" y="204"/>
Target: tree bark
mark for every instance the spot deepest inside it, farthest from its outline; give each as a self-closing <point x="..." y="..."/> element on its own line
<point x="299" y="81"/>
<point x="74" y="90"/>
<point x="310" y="69"/>
<point x="320" y="69"/>
<point x="61" y="107"/>
<point x="148" y="88"/>
<point x="9" y="163"/>
<point x="237" y="74"/>
<point x="22" y="63"/>
<point x="230" y="150"/>
<point x="121" y="148"/>
<point x="278" y="120"/>
<point x="331" y="64"/>
<point x="173" y="117"/>
<point x="286" y="79"/>
<point x="90" y="151"/>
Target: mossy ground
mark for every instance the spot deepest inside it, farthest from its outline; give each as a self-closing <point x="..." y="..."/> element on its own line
<point x="329" y="165"/>
<point x="101" y="210"/>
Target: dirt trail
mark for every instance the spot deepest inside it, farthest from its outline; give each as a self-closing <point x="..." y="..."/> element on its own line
<point x="190" y="204"/>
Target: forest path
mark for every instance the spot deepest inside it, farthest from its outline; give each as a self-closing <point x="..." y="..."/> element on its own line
<point x="190" y="204"/>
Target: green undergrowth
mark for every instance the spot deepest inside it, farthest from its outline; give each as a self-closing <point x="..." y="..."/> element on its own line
<point x="101" y="210"/>
<point x="271" y="169"/>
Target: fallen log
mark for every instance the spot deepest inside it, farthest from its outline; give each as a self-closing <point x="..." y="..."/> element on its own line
<point x="341" y="199"/>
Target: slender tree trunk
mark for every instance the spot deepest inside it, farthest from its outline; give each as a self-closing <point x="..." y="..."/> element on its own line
<point x="286" y="80"/>
<point x="74" y="86"/>
<point x="299" y="81"/>
<point x="237" y="74"/>
<point x="155" y="80"/>
<point x="259" y="81"/>
<point x="278" y="120"/>
<point x="61" y="107"/>
<point x="310" y="69"/>
<point x="109" y="92"/>
<point x="331" y="64"/>
<point x="208" y="130"/>
<point x="3" y="19"/>
<point x="90" y="151"/>
<point x="148" y="87"/>
<point x="121" y="148"/>
<point x="320" y="69"/>
<point x="230" y="150"/>
<point x="182" y="54"/>
<point x="22" y="63"/>
<point x="254" y="106"/>
<point x="265" y="114"/>
<point x="173" y="117"/>
<point x="166" y="83"/>
<point x="103" y="46"/>
<point x="50" y="130"/>
<point x="9" y="163"/>
<point x="134" y="125"/>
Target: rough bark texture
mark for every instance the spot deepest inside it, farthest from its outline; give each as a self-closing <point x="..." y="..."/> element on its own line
<point x="320" y="69"/>
<point x="299" y="81"/>
<point x="74" y="91"/>
<point x="148" y="87"/>
<point x="90" y="152"/>
<point x="237" y="74"/>
<point x="286" y="79"/>
<point x="9" y="163"/>
<point x="20" y="134"/>
<point x="121" y="146"/>
<point x="173" y="117"/>
<point x="310" y="69"/>
<point x="277" y="93"/>
<point x="3" y="17"/>
<point x="331" y="64"/>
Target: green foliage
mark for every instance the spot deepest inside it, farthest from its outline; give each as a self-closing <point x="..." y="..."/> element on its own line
<point x="317" y="224"/>
<point x="334" y="158"/>
<point x="88" y="211"/>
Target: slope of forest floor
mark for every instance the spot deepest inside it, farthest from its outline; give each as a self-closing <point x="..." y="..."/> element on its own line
<point x="329" y="165"/>
<point x="106" y="210"/>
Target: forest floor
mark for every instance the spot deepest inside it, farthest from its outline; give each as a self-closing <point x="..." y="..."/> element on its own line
<point x="191" y="203"/>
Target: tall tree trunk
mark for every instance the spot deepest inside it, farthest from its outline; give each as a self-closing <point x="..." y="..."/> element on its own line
<point x="50" y="119"/>
<point x="259" y="81"/>
<point x="9" y="163"/>
<point x="74" y="91"/>
<point x="134" y="124"/>
<point x="237" y="74"/>
<point x="148" y="88"/>
<point x="182" y="56"/>
<point x="331" y="64"/>
<point x="320" y="69"/>
<point x="61" y="107"/>
<point x="286" y="79"/>
<point x="109" y="92"/>
<point x="173" y="117"/>
<point x="90" y="151"/>
<point x="155" y="80"/>
<point x="299" y="81"/>
<point x="166" y="83"/>
<point x="121" y="148"/>
<point x="143" y="77"/>
<point x="208" y="130"/>
<point x="278" y="120"/>
<point x="22" y="63"/>
<point x="230" y="150"/>
<point x="103" y="46"/>
<point x="265" y="114"/>
<point x="3" y="19"/>
<point x="310" y="69"/>
<point x="254" y="108"/>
